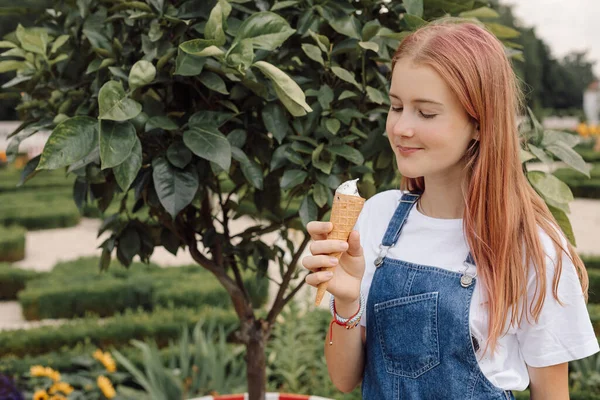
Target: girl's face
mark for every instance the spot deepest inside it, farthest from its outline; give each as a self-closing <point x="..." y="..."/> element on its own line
<point x="427" y="127"/>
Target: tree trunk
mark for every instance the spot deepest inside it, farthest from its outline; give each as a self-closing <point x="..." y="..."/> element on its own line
<point x="256" y="360"/>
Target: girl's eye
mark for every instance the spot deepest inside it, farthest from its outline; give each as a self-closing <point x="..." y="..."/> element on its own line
<point x="427" y="116"/>
<point x="397" y="109"/>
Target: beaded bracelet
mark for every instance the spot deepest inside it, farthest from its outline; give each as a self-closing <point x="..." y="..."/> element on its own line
<point x="348" y="323"/>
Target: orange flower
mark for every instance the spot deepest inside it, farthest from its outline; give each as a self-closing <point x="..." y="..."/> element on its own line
<point x="106" y="360"/>
<point x="40" y="395"/>
<point x="38" y="370"/>
<point x="58" y="397"/>
<point x="106" y="387"/>
<point x="61" y="387"/>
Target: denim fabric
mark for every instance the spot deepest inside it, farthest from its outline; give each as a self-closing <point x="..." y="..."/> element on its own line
<point x="419" y="343"/>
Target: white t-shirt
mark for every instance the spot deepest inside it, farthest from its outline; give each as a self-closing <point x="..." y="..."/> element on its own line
<point x="562" y="333"/>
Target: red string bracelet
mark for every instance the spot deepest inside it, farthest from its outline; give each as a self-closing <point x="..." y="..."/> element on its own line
<point x="348" y="326"/>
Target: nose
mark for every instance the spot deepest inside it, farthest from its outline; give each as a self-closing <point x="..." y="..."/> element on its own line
<point x="402" y="125"/>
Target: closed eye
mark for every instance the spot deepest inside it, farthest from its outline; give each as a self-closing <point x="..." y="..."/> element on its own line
<point x="426" y="116"/>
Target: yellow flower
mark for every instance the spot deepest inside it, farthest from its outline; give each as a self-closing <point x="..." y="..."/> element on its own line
<point x="40" y="395"/>
<point x="52" y="374"/>
<point x="106" y="360"/>
<point x="107" y="388"/>
<point x="61" y="387"/>
<point x="37" y="370"/>
<point x="58" y="397"/>
<point x="582" y="129"/>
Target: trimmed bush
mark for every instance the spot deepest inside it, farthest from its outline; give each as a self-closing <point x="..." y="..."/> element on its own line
<point x="10" y="177"/>
<point x="39" y="209"/>
<point x="580" y="185"/>
<point x="594" y="288"/>
<point x="588" y="153"/>
<point x="591" y="262"/>
<point x="12" y="243"/>
<point x="140" y="286"/>
<point x="13" y="280"/>
<point x="594" y="311"/>
<point x="162" y="325"/>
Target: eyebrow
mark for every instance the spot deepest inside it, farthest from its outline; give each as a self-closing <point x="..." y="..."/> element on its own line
<point x="418" y="100"/>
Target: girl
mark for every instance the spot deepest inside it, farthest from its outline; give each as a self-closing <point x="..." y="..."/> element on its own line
<point x="441" y="273"/>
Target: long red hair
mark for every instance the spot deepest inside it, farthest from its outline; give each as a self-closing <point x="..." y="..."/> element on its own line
<point x="503" y="214"/>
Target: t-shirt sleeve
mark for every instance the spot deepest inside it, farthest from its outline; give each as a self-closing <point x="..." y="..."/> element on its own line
<point x="563" y="332"/>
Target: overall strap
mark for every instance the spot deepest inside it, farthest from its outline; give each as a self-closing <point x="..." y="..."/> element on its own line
<point x="396" y="224"/>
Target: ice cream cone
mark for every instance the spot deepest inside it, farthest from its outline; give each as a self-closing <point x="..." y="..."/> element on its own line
<point x="344" y="214"/>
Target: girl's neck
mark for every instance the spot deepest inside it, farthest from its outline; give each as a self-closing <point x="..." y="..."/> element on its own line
<point x="442" y="198"/>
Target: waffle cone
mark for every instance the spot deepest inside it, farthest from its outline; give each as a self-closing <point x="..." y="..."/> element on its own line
<point x="344" y="214"/>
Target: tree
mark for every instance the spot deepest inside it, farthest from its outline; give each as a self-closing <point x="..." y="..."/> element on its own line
<point x="205" y="111"/>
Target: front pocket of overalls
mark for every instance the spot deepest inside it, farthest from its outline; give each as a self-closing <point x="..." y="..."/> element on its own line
<point x="408" y="334"/>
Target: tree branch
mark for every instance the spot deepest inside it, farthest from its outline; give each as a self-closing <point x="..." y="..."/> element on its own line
<point x="279" y="300"/>
<point x="248" y="233"/>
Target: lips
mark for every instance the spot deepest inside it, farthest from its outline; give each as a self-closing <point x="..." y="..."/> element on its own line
<point x="408" y="150"/>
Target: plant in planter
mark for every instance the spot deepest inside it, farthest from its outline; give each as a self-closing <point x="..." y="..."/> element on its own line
<point x="210" y="111"/>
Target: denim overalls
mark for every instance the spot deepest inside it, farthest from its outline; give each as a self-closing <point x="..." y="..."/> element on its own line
<point x="419" y="343"/>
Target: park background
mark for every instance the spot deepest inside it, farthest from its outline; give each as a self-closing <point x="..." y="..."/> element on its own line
<point x="72" y="325"/>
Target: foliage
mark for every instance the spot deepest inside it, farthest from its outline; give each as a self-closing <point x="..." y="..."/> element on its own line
<point x="201" y="363"/>
<point x="580" y="185"/>
<point x="208" y="111"/>
<point x="162" y="324"/>
<point x="586" y="374"/>
<point x="13" y="280"/>
<point x="12" y="244"/>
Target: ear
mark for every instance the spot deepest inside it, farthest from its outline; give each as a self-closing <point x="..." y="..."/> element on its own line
<point x="475" y="135"/>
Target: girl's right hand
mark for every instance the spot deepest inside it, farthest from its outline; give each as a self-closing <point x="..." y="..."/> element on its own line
<point x="344" y="285"/>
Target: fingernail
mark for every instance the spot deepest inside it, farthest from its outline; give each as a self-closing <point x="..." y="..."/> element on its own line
<point x="328" y="274"/>
<point x="333" y="261"/>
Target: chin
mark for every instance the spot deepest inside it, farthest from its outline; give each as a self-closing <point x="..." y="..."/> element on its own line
<point x="409" y="171"/>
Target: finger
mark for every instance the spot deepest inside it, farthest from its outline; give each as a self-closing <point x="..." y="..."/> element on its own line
<point x="318" y="230"/>
<point x="315" y="262"/>
<point x="318" y="277"/>
<point x="354" y="247"/>
<point x="328" y="246"/>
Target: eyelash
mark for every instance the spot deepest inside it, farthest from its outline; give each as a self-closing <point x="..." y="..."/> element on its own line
<point x="426" y="116"/>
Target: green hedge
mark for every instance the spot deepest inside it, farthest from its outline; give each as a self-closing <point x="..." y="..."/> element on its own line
<point x="10" y="177"/>
<point x="161" y="325"/>
<point x="594" y="288"/>
<point x="12" y="243"/>
<point x="39" y="209"/>
<point x="588" y="153"/>
<point x="13" y="280"/>
<point x="591" y="262"/>
<point x="140" y="286"/>
<point x="580" y="185"/>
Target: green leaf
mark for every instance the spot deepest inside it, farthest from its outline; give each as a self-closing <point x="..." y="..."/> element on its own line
<point x="69" y="142"/>
<point x="215" y="27"/>
<point x="346" y="94"/>
<point x="554" y="137"/>
<point x="275" y="121"/>
<point x="57" y="59"/>
<point x="525" y="156"/>
<point x="288" y="91"/>
<point x="349" y="153"/>
<point x="501" y="31"/>
<point x="126" y="172"/>
<point x="116" y="142"/>
<point x="564" y="223"/>
<point x="345" y="75"/>
<point x="242" y="54"/>
<point x="370" y="29"/>
<point x="333" y="125"/>
<point x="265" y="30"/>
<point x="98" y="64"/>
<point x="10" y="65"/>
<point x="175" y="188"/>
<point x="169" y="240"/>
<point x="179" y="155"/>
<point x="322" y="165"/>
<point x="414" y="22"/>
<point x="209" y="118"/>
<point x="284" y="4"/>
<point x="540" y="154"/>
<point x="210" y="144"/>
<point x="313" y="52"/>
<point x="414" y="7"/>
<point x="570" y="157"/>
<point x="550" y="187"/>
<point x="4" y="44"/>
<point x="481" y="12"/>
<point x="292" y="178"/>
<point x="142" y="73"/>
<point x="369" y="46"/>
<point x="322" y="41"/>
<point x="58" y="43"/>
<point x="201" y="48"/>
<point x="325" y="97"/>
<point x="213" y="82"/>
<point x="114" y="104"/>
<point x="188" y="64"/>
<point x="375" y="95"/>
<point x="308" y="210"/>
<point x="250" y="169"/>
<point x="35" y="41"/>
<point x="161" y="122"/>
<point x="320" y="192"/>
<point x="347" y="25"/>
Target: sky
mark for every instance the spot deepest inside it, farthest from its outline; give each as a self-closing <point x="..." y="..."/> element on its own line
<point x="565" y="25"/>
